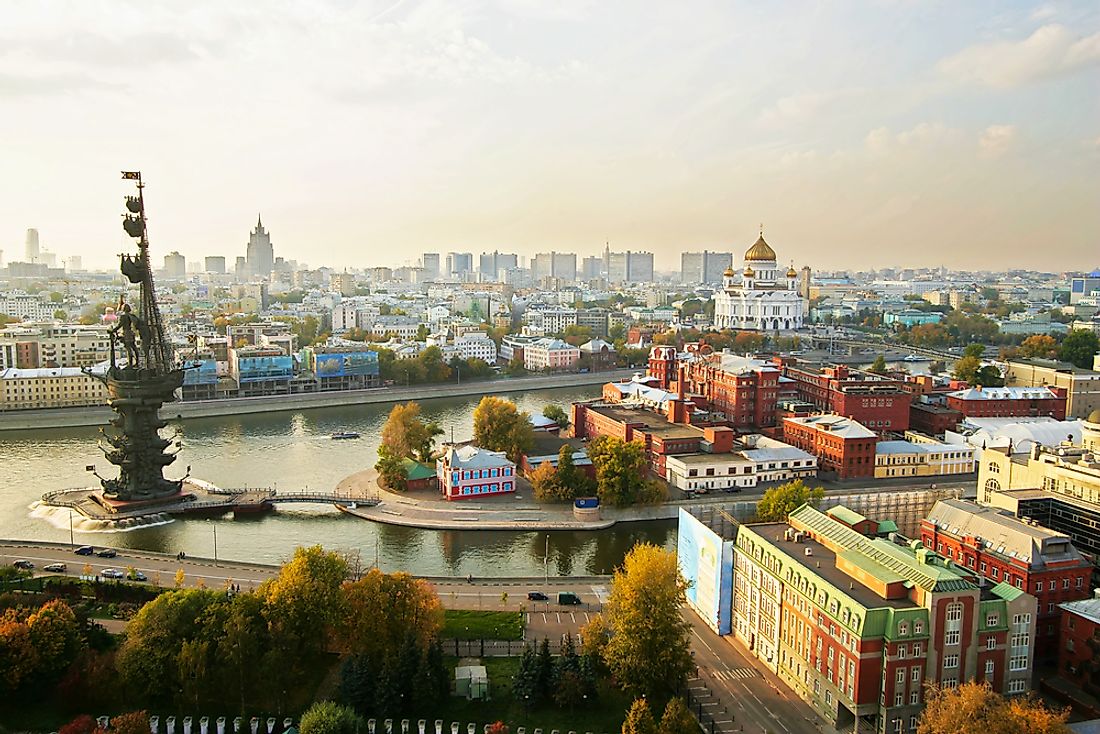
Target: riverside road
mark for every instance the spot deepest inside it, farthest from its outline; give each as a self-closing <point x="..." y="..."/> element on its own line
<point x="731" y="692"/>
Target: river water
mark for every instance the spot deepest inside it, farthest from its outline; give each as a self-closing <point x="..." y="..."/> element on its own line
<point x="293" y="451"/>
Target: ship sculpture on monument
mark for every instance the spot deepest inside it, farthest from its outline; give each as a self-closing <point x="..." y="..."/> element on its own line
<point x="140" y="378"/>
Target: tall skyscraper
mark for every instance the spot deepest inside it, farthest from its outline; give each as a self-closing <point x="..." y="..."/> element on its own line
<point x="592" y="267"/>
<point x="561" y="265"/>
<point x="459" y="263"/>
<point x="491" y="263"/>
<point x="430" y="262"/>
<point x="704" y="267"/>
<point x="629" y="267"/>
<point x="215" y="264"/>
<point x="175" y="265"/>
<point x="33" y="250"/>
<point x="260" y="255"/>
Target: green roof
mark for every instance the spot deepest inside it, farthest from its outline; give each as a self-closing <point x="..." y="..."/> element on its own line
<point x="1007" y="591"/>
<point x="414" y="470"/>
<point x="845" y="515"/>
<point x="887" y="526"/>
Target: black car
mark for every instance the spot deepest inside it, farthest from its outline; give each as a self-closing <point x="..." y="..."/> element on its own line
<point x="537" y="596"/>
<point x="107" y="553"/>
<point x="25" y="565"/>
<point x="84" y="550"/>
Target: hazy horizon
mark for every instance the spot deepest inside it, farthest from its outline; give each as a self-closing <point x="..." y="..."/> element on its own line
<point x="863" y="135"/>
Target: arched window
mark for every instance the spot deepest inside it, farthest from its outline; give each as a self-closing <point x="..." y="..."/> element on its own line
<point x="992" y="484"/>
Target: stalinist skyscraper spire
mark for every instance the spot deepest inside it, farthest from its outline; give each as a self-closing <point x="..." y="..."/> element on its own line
<point x="260" y="255"/>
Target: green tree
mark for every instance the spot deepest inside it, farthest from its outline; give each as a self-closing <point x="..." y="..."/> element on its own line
<point x="974" y="350"/>
<point x="878" y="366"/>
<point x="391" y="469"/>
<point x="329" y="717"/>
<point x="778" y="502"/>
<point x="621" y="472"/>
<point x="975" y="707"/>
<point x="544" y="672"/>
<point x="648" y="650"/>
<point x="1079" y="347"/>
<point x="557" y="414"/>
<point x="435" y="369"/>
<point x="639" y="720"/>
<point x="677" y="719"/>
<point x="525" y="686"/>
<point x="499" y="426"/>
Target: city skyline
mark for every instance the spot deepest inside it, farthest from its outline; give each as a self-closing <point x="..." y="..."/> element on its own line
<point x="894" y="134"/>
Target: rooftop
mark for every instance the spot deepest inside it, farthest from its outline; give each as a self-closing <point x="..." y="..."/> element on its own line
<point x="835" y="424"/>
<point x="472" y="457"/>
<point x="1004" y="393"/>
<point x="1003" y="533"/>
<point x="1087" y="608"/>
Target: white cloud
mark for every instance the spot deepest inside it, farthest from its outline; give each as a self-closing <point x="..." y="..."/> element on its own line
<point x="995" y="140"/>
<point x="1050" y="51"/>
<point x="881" y="140"/>
<point x="799" y="107"/>
<point x="1044" y="12"/>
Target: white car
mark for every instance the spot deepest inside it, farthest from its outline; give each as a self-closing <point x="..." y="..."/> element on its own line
<point x="112" y="573"/>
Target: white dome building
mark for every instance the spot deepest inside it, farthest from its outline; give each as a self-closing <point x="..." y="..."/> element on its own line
<point x="763" y="297"/>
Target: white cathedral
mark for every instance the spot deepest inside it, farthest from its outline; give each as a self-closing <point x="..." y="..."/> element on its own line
<point x="762" y="298"/>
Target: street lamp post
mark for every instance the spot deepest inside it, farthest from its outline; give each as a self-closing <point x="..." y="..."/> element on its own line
<point x="71" y="543"/>
<point x="214" y="527"/>
<point x="546" y="561"/>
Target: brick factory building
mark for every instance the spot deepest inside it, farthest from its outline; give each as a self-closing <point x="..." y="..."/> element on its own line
<point x="841" y="445"/>
<point x="1010" y="402"/>
<point x="879" y="403"/>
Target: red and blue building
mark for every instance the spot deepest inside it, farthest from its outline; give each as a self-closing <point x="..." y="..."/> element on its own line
<point x="467" y="472"/>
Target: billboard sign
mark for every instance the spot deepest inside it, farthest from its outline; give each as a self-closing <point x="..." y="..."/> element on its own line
<point x="200" y="372"/>
<point x="706" y="562"/>
<point x="254" y="369"/>
<point x="346" y="364"/>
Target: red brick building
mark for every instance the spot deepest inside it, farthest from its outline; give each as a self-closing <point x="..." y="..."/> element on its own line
<point x="1010" y="402"/>
<point x="744" y="390"/>
<point x="933" y="420"/>
<point x="1078" y="661"/>
<point x="840" y="444"/>
<point x="879" y="403"/>
<point x="1001" y="548"/>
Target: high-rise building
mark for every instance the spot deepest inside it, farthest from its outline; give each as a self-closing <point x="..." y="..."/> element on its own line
<point x="492" y="263"/>
<point x="215" y="264"/>
<point x="175" y="265"/>
<point x="704" y="267"/>
<point x="459" y="263"/>
<point x="76" y="263"/>
<point x="561" y="265"/>
<point x="240" y="268"/>
<point x="429" y="261"/>
<point x="592" y="268"/>
<point x="629" y="267"/>
<point x="260" y="255"/>
<point x="33" y="249"/>
<point x="343" y="283"/>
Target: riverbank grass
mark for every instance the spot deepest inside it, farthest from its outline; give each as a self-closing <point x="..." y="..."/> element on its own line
<point x="469" y="624"/>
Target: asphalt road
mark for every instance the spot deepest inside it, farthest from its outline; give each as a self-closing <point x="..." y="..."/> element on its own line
<point x="731" y="689"/>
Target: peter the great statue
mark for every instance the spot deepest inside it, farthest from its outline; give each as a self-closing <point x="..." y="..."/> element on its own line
<point x="140" y="378"/>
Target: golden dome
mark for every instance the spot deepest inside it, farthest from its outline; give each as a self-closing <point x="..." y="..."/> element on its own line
<point x="791" y="272"/>
<point x="761" y="251"/>
<point x="749" y="272"/>
<point x="729" y="272"/>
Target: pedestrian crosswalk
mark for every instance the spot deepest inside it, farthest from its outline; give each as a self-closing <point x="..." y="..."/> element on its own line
<point x="735" y="673"/>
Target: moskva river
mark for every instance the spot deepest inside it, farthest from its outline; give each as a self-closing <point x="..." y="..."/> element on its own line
<point x="293" y="450"/>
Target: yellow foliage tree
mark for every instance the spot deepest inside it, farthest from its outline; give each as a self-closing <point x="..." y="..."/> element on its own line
<point x="382" y="609"/>
<point x="975" y="708"/>
<point x="181" y="578"/>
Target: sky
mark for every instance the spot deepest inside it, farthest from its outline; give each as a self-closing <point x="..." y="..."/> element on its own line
<point x="860" y="134"/>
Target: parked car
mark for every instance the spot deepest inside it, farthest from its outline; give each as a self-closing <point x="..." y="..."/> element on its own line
<point x="112" y="573"/>
<point x="84" y="550"/>
<point x="138" y="576"/>
<point x="537" y="596"/>
<point x="23" y="564"/>
<point x="107" y="553"/>
<point x="569" y="598"/>
<point x="55" y="568"/>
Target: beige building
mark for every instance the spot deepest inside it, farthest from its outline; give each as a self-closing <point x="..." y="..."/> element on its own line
<point x="1067" y="470"/>
<point x="48" y="387"/>
<point x="60" y="345"/>
<point x="921" y="459"/>
<point x="1082" y="386"/>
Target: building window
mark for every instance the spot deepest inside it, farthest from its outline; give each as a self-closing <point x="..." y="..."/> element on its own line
<point x="952" y="623"/>
<point x="915" y="674"/>
<point x="989" y="667"/>
<point x="950" y="661"/>
<point x="901" y="676"/>
<point x="990" y="643"/>
<point x="914" y="697"/>
<point x="992" y="619"/>
<point x="983" y="567"/>
<point x="1018" y="663"/>
<point x="1052" y="585"/>
<point x="1065" y="583"/>
<point x="916" y="650"/>
<point x="918" y="627"/>
<point x="1017" y="686"/>
<point x="899" y="698"/>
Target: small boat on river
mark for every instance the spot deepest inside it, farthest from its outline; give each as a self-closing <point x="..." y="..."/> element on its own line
<point x="344" y="435"/>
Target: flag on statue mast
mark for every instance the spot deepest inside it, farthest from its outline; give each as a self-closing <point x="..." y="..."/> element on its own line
<point x="132" y="175"/>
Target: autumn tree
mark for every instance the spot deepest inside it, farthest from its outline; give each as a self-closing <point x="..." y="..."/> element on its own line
<point x="677" y="719"/>
<point x="18" y="656"/>
<point x="778" y="502"/>
<point x="391" y="469"/>
<point x="878" y="366"/>
<point x="975" y="707"/>
<point x="1079" y="347"/>
<point x="622" y="472"/>
<point x="639" y="719"/>
<point x="55" y="633"/>
<point x="381" y="610"/>
<point x="648" y="648"/>
<point x="134" y="722"/>
<point x="500" y="426"/>
<point x="544" y="483"/>
<point x="970" y="369"/>
<point x="1039" y="345"/>
<point x="406" y="435"/>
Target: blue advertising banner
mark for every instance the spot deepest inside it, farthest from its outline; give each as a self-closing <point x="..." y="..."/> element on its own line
<point x="345" y="364"/>
<point x="200" y="372"/>
<point x="253" y="369"/>
<point x="706" y="562"/>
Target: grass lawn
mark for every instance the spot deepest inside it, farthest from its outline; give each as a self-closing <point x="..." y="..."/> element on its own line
<point x="466" y="624"/>
<point x="606" y="717"/>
